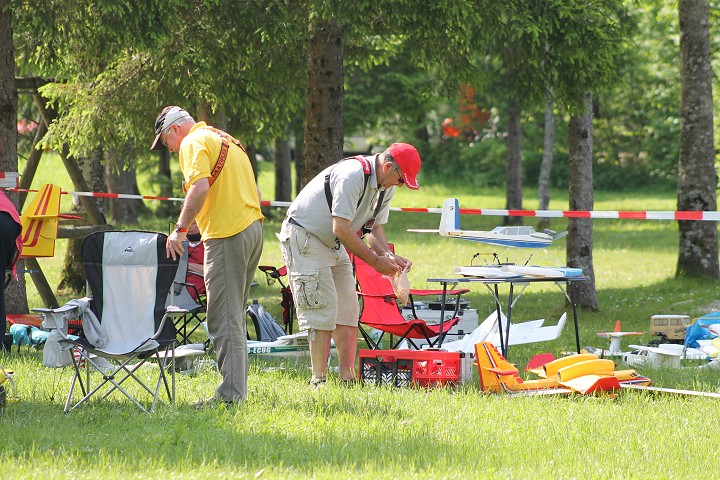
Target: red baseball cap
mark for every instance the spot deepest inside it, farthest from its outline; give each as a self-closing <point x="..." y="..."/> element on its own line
<point x="408" y="159"/>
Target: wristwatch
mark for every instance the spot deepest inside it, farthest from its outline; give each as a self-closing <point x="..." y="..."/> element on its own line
<point x="180" y="229"/>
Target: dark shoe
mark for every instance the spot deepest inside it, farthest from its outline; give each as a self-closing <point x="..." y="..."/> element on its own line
<point x="316" y="383"/>
<point x="212" y="403"/>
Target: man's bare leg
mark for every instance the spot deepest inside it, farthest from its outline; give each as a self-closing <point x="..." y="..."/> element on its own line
<point x="346" y="343"/>
<point x="319" y="352"/>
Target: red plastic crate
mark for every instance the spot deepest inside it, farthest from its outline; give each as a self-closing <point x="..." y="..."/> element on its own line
<point x="401" y="368"/>
<point x="385" y="367"/>
<point x="435" y="368"/>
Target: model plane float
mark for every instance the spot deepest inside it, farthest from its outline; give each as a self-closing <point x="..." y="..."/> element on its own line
<point x="519" y="236"/>
<point x="293" y="345"/>
<point x="575" y="374"/>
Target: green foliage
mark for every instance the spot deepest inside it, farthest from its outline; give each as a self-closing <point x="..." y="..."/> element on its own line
<point x="242" y="58"/>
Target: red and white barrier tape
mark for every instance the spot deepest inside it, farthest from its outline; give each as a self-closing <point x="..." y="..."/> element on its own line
<point x="693" y="215"/>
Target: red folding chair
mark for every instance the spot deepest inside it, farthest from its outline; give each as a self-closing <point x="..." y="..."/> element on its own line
<point x="380" y="310"/>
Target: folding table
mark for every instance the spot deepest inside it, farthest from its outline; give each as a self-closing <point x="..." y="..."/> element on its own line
<point x="563" y="283"/>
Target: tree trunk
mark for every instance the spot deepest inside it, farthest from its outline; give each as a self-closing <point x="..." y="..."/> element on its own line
<point x="323" y="142"/>
<point x="298" y="155"/>
<point x="15" y="295"/>
<point x="546" y="164"/>
<point x="252" y="156"/>
<point x="217" y="119"/>
<point x="72" y="277"/>
<point x="514" y="163"/>
<point x="119" y="178"/>
<point x="697" y="180"/>
<point x="283" y="173"/>
<point x="580" y="230"/>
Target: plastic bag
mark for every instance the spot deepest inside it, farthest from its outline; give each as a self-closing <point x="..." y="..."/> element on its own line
<point x="401" y="286"/>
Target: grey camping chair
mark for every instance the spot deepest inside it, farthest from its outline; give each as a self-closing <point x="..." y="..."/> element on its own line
<point x="125" y="319"/>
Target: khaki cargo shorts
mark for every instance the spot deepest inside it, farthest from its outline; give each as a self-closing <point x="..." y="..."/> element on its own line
<point x="321" y="279"/>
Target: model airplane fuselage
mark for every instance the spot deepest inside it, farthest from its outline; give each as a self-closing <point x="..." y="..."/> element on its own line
<point x="519" y="236"/>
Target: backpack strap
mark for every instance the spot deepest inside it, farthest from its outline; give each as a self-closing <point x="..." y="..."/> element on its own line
<point x="366" y="172"/>
<point x="367" y="228"/>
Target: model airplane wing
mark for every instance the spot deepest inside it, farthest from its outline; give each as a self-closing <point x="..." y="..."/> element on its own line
<point x="488" y="271"/>
<point x="506" y="236"/>
<point x="40" y="223"/>
<point x="520" y="333"/>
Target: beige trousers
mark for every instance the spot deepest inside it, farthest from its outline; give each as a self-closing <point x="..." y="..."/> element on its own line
<point x="230" y="265"/>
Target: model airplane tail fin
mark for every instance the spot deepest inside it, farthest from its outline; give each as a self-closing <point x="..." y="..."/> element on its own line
<point x="555" y="235"/>
<point x="450" y="218"/>
<point x="494" y="370"/>
<point x="40" y="223"/>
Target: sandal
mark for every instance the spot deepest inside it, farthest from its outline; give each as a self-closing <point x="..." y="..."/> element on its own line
<point x="316" y="383"/>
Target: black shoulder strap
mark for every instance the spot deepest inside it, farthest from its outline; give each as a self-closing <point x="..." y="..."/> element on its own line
<point x="366" y="172"/>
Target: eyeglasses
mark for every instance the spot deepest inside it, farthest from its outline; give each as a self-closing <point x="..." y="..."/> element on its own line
<point x="401" y="180"/>
<point x="163" y="138"/>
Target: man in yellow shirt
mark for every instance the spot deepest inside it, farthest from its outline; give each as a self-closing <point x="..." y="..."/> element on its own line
<point x="222" y="197"/>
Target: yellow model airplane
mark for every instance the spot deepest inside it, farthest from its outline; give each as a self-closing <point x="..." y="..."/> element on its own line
<point x="581" y="373"/>
<point x="40" y="223"/>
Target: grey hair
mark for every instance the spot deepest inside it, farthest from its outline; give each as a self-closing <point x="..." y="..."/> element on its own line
<point x="386" y="157"/>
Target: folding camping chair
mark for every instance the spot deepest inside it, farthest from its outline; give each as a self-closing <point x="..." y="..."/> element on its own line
<point x="128" y="277"/>
<point x="181" y="297"/>
<point x="380" y="310"/>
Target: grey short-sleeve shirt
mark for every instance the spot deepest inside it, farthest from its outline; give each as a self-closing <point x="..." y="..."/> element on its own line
<point x="310" y="208"/>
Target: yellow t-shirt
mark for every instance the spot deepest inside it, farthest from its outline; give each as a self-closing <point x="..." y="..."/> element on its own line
<point x="232" y="203"/>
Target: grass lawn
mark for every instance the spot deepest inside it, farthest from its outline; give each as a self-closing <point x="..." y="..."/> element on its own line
<point x="287" y="430"/>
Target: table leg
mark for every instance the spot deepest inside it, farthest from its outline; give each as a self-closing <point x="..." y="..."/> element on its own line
<point x="499" y="317"/>
<point x="441" y="337"/>
<point x="507" y="326"/>
<point x="570" y="287"/>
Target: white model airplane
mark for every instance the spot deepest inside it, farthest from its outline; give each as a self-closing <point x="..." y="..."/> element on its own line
<point x="521" y="236"/>
<point x="664" y="355"/>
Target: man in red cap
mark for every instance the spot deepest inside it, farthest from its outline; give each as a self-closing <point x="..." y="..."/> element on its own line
<point x="321" y="227"/>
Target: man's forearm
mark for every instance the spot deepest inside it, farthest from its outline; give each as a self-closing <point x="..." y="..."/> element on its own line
<point x="194" y="200"/>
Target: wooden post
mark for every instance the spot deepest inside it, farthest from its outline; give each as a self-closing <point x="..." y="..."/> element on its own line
<point x="41" y="283"/>
<point x="32" y="163"/>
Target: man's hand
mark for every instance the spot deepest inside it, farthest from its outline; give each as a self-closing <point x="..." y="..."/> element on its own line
<point x="173" y="245"/>
<point x="404" y="263"/>
<point x="386" y="265"/>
